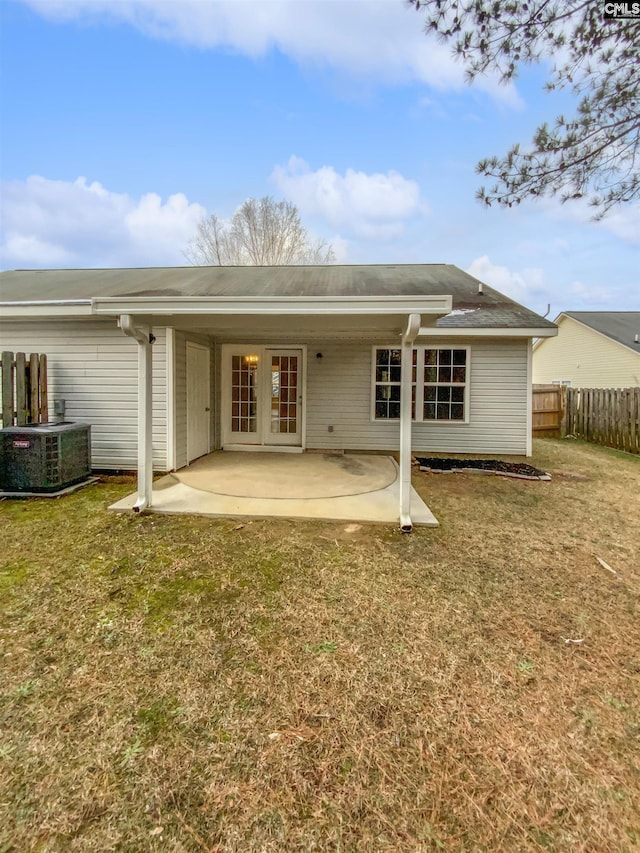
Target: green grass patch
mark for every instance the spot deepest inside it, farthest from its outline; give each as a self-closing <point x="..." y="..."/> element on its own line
<point x="182" y="683"/>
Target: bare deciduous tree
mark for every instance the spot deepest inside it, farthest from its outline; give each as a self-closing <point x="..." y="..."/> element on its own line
<point x="262" y="232"/>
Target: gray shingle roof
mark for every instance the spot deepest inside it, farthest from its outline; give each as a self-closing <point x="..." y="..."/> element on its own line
<point x="620" y="326"/>
<point x="471" y="309"/>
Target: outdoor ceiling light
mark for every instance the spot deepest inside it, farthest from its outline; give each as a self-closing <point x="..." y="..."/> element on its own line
<point x="251" y="359"/>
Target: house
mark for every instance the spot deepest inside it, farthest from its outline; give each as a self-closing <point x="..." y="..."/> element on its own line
<point x="593" y="349"/>
<point x="168" y="364"/>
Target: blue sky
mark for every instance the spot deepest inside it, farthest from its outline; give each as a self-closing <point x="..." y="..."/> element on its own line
<point x="124" y="122"/>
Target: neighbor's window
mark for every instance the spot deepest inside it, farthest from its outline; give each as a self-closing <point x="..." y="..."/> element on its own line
<point x="438" y="384"/>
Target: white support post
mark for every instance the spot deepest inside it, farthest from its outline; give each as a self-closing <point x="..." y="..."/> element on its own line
<point x="406" y="369"/>
<point x="145" y="339"/>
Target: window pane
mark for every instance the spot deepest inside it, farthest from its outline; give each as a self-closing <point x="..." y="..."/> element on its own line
<point x="382" y="373"/>
<point x="430" y="394"/>
<point x="445" y="377"/>
<point x="394" y="393"/>
<point x="394" y="410"/>
<point x="395" y="373"/>
<point x="381" y="409"/>
<point x="395" y="356"/>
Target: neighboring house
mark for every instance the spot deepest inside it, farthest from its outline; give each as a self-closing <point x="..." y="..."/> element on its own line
<point x="278" y="358"/>
<point x="593" y="349"/>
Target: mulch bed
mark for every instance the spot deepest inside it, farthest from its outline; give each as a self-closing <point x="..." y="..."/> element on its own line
<point x="518" y="470"/>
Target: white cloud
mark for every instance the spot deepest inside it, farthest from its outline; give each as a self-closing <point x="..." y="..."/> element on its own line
<point x="75" y="223"/>
<point x="340" y="248"/>
<point x="623" y="221"/>
<point x="522" y="286"/>
<point x="369" y="205"/>
<point x="380" y="39"/>
<point x="593" y="294"/>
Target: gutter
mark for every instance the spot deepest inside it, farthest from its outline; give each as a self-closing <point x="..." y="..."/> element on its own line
<point x="46" y="308"/>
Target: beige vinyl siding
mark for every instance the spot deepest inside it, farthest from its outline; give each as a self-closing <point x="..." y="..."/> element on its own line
<point x="339" y="395"/>
<point x="180" y="391"/>
<point x="586" y="358"/>
<point x="93" y="366"/>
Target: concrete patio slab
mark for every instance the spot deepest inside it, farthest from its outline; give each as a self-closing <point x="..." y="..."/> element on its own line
<point x="351" y="487"/>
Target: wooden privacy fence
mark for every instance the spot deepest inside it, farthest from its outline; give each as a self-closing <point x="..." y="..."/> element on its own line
<point x="24" y="389"/>
<point x="547" y="410"/>
<point x="609" y="416"/>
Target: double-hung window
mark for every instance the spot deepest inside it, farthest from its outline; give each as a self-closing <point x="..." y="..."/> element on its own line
<point x="387" y="384"/>
<point x="439" y="384"/>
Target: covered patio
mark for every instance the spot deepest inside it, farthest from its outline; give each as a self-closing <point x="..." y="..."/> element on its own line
<point x="282" y="318"/>
<point x="328" y="486"/>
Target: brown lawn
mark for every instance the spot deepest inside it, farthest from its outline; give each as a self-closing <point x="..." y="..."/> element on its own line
<point x="187" y="684"/>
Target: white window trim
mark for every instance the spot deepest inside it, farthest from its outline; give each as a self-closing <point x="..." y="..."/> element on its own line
<point x="419" y="384"/>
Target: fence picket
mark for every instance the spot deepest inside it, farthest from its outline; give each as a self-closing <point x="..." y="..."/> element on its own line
<point x="21" y="389"/>
<point x="32" y="414"/>
<point x="24" y="389"/>
<point x="43" y="409"/>
<point x="7" y="389"/>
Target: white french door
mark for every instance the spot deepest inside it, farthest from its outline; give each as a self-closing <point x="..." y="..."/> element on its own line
<point x="262" y="396"/>
<point x="284" y="393"/>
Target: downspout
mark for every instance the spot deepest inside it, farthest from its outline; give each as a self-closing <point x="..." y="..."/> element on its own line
<point x="144" y="338"/>
<point x="406" y="369"/>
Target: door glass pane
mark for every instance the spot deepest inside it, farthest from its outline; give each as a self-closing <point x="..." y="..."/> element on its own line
<point x="284" y="395"/>
<point x="244" y="393"/>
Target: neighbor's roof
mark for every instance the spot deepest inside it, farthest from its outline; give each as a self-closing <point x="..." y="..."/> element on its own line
<point x="620" y="326"/>
<point x="470" y="309"/>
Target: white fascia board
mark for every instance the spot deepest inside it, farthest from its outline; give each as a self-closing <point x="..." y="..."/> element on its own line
<point x="43" y="308"/>
<point x="484" y="332"/>
<point x="278" y="305"/>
